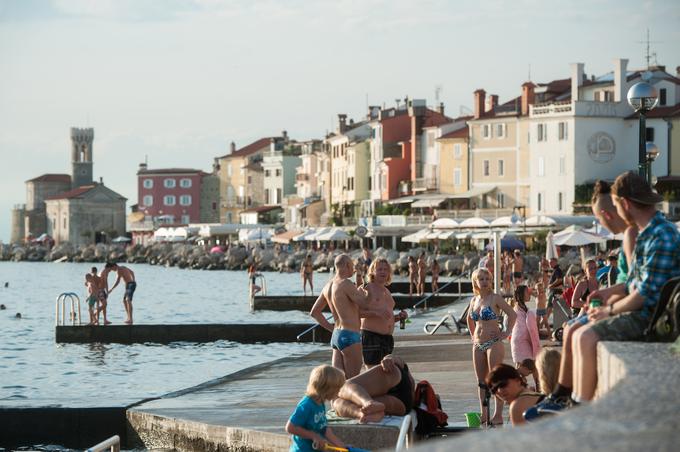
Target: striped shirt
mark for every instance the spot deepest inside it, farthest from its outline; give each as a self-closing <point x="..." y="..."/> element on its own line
<point x="656" y="259"/>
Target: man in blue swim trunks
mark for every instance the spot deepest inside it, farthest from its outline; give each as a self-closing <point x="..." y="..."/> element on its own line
<point x="128" y="278"/>
<point x="345" y="301"/>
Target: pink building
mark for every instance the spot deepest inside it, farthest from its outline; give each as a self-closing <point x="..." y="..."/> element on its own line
<point x="170" y="195"/>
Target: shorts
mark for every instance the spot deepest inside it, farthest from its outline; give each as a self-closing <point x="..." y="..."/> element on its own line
<point x="92" y="300"/>
<point x="376" y="346"/>
<point x="341" y="339"/>
<point x="629" y="326"/>
<point x="581" y="319"/>
<point x="541" y="312"/>
<point x="102" y="295"/>
<point x="130" y="290"/>
<point x="404" y="390"/>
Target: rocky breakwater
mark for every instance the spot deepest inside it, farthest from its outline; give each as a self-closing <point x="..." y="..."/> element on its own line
<point x="281" y="259"/>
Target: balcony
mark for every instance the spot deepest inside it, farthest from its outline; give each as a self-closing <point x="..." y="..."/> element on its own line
<point x="552" y="108"/>
<point x="425" y="183"/>
<point x="302" y="177"/>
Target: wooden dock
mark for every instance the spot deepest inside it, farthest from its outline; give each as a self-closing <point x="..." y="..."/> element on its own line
<point x="305" y="303"/>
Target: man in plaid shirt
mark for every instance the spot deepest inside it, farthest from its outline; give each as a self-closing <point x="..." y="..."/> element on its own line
<point x="625" y="315"/>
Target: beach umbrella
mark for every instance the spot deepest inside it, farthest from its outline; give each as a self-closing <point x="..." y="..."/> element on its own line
<point x="444" y="223"/>
<point x="416" y="237"/>
<point x="333" y="235"/>
<point x="505" y="221"/>
<point x="216" y="250"/>
<point x="121" y="239"/>
<point x="577" y="238"/>
<point x="540" y="220"/>
<point x="550" y="248"/>
<point x="474" y="222"/>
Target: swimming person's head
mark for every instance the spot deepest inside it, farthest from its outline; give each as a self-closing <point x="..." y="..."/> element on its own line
<point x="325" y="382"/>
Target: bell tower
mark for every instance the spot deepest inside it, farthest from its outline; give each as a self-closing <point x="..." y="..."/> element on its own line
<point x="81" y="156"/>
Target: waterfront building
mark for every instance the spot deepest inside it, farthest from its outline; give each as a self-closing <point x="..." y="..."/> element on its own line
<point x="177" y="195"/>
<point x="241" y="178"/>
<point x="390" y="147"/>
<point x="30" y="219"/>
<point x="589" y="132"/>
<point x="426" y="126"/>
<point x="308" y="206"/>
<point x="279" y="164"/>
<point x="454" y="160"/>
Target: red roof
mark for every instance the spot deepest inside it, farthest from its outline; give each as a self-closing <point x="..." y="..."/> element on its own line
<point x="250" y="149"/>
<point x="460" y="133"/>
<point x="261" y="209"/>
<point x="434" y="119"/>
<point x="396" y="129"/>
<point x="65" y="178"/>
<point x="75" y="193"/>
<point x="660" y="112"/>
<point x="171" y="171"/>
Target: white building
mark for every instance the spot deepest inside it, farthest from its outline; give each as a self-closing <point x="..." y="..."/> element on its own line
<point x="590" y="132"/>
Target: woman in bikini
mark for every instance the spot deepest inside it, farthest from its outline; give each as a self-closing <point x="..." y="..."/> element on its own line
<point x="306" y="271"/>
<point x="506" y="383"/>
<point x="487" y="346"/>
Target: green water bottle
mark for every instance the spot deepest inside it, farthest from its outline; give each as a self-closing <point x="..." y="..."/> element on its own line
<point x="595" y="302"/>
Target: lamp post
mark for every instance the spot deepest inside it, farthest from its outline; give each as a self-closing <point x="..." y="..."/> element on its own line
<point x="651" y="154"/>
<point x="643" y="97"/>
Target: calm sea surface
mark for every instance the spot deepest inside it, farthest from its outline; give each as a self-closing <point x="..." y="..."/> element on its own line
<point x="37" y="372"/>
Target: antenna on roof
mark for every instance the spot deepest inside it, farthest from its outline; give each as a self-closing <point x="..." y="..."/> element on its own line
<point x="464" y="111"/>
<point x="648" y="54"/>
<point x="437" y="91"/>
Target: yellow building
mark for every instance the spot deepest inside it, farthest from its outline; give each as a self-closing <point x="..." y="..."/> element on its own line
<point x="453" y="162"/>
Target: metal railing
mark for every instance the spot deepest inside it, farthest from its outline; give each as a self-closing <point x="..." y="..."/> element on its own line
<point x="112" y="444"/>
<point x="251" y="292"/>
<point x="60" y="308"/>
<point x="460" y="291"/>
<point x="311" y="329"/>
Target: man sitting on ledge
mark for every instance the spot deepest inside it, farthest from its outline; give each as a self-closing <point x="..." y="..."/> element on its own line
<point x="387" y="389"/>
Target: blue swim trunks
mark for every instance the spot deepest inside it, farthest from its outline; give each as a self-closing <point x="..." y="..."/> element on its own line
<point x="341" y="339"/>
<point x="130" y="290"/>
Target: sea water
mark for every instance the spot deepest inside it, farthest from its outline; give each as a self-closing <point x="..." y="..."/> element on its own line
<point x="35" y="371"/>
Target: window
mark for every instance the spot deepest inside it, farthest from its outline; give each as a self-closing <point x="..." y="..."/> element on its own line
<point x="241" y="191"/>
<point x="148" y="183"/>
<point x="185" y="219"/>
<point x="539" y="202"/>
<point x="562" y="131"/>
<point x="147" y="200"/>
<point x="185" y="200"/>
<point x="563" y="165"/>
<point x="457" y="151"/>
<point x="64" y="222"/>
<point x="541" y="167"/>
<point x="608" y="96"/>
<point x="486" y="131"/>
<point x="560" y="201"/>
<point x="169" y="183"/>
<point x="267" y="173"/>
<point x="501" y="167"/>
<point x="278" y="172"/>
<point x="542" y="132"/>
<point x="185" y="183"/>
<point x="500" y="130"/>
<point x="214" y="206"/>
<point x="229" y="171"/>
<point x="278" y="196"/>
<point x="457" y="177"/>
<point x="486" y="168"/>
<point x="500" y="200"/>
<point x="169" y="200"/>
<point x="266" y="196"/>
<point x="662" y="96"/>
<point x="250" y="179"/>
<point x="649" y="135"/>
<point x="430" y="139"/>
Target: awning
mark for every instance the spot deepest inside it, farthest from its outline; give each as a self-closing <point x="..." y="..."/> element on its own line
<point x="285" y="237"/>
<point x="428" y="202"/>
<point x="444" y="223"/>
<point x="474" y="222"/>
<point x="416" y="237"/>
<point x="404" y="200"/>
<point x="479" y="191"/>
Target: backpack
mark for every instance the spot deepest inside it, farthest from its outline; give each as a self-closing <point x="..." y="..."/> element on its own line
<point x="428" y="409"/>
<point x="664" y="325"/>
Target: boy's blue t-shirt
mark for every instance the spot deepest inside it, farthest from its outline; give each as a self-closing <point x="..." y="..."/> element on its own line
<point x="311" y="416"/>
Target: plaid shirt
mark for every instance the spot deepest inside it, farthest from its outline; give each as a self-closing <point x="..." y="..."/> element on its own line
<point x="656" y="259"/>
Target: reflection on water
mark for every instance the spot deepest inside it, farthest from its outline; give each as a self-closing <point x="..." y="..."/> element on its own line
<point x="35" y="371"/>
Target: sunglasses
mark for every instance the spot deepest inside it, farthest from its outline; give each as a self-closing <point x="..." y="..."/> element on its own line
<point x="498" y="386"/>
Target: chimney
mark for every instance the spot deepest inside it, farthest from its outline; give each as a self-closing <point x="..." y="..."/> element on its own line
<point x="373" y="111"/>
<point x="101" y="180"/>
<point x="576" y="79"/>
<point x="216" y="165"/>
<point x="677" y="71"/>
<point x="232" y="148"/>
<point x="284" y="134"/>
<point x="491" y="102"/>
<point x="440" y="108"/>
<point x="142" y="167"/>
<point x="342" y="123"/>
<point x="528" y="97"/>
<point x="480" y="95"/>
<point x="620" y="65"/>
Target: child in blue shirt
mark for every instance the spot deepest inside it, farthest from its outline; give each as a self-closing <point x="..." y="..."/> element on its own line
<point x="308" y="423"/>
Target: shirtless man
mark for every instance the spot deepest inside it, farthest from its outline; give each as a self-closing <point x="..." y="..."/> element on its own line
<point x="517" y="268"/>
<point x="128" y="277"/>
<point x="345" y="301"/>
<point x="377" y="327"/>
<point x="100" y="293"/>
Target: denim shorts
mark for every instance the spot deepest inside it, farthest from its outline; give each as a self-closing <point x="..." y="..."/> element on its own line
<point x="628" y="326"/>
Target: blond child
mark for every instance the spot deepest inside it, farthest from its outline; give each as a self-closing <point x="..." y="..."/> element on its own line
<point x="308" y="423"/>
<point x="548" y="366"/>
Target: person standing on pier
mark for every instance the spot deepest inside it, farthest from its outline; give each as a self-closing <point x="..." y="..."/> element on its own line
<point x="307" y="271"/>
<point x="377" y="327"/>
<point x="422" y="273"/>
<point x="412" y="276"/>
<point x="128" y="278"/>
<point x="345" y="301"/>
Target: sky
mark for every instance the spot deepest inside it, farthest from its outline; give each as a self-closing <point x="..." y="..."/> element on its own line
<point x="175" y="81"/>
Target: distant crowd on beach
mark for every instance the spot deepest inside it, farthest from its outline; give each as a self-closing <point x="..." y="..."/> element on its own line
<point x="98" y="292"/>
<point x="613" y="298"/>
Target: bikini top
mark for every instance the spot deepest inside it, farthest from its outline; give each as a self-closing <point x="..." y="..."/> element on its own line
<point x="486" y="313"/>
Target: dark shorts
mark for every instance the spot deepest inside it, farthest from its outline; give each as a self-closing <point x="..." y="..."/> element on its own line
<point x="404" y="389"/>
<point x="375" y="346"/>
<point x="102" y="295"/>
<point x="629" y="326"/>
<point x="130" y="290"/>
<point x="92" y="300"/>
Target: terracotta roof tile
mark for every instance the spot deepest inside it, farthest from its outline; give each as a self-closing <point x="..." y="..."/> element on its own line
<point x="66" y="178"/>
<point x="75" y="193"/>
<point x="250" y="149"/>
<point x="460" y="133"/>
<point x="171" y="171"/>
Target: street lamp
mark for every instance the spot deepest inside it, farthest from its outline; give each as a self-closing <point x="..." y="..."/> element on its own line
<point x="651" y="153"/>
<point x="642" y="97"/>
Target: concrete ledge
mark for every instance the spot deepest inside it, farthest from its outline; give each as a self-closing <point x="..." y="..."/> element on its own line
<point x="163" y="334"/>
<point x="302" y="303"/>
<point x="638" y="409"/>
